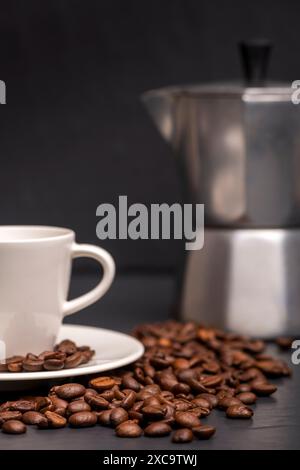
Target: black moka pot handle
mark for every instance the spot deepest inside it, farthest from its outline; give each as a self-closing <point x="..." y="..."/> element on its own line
<point x="255" y="56"/>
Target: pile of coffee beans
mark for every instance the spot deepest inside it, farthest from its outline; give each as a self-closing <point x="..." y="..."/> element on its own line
<point x="186" y="372"/>
<point x="65" y="355"/>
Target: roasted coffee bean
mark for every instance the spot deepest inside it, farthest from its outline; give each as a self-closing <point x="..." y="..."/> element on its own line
<point x="97" y="402"/>
<point x="74" y="360"/>
<point x="35" y="365"/>
<point x="103" y="417"/>
<point x="200" y="412"/>
<point x="197" y="386"/>
<point x="149" y="370"/>
<point x="159" y="362"/>
<point x="153" y="412"/>
<point x="90" y="392"/>
<point x="182" y="435"/>
<point x="23" y="405"/>
<point x="158" y="429"/>
<point x="14" y="359"/>
<point x="187" y="419"/>
<point x="31" y="357"/>
<point x="53" y="364"/>
<point x="182" y="404"/>
<point x="67" y="346"/>
<point x="15" y="367"/>
<point x="8" y="415"/>
<point x="181" y="388"/>
<point x="263" y="389"/>
<point x="201" y="402"/>
<point x="47" y="355"/>
<point x="243" y="388"/>
<point x="129" y="429"/>
<point x="102" y="383"/>
<point x="251" y="374"/>
<point x="239" y="412"/>
<point x="186" y="375"/>
<point x="271" y="368"/>
<point x="129" y="399"/>
<point x="226" y="402"/>
<point x="58" y="402"/>
<point x="83" y="419"/>
<point x="284" y="342"/>
<point x="151" y="401"/>
<point x="108" y="395"/>
<point x="248" y="398"/>
<point x="223" y="393"/>
<point x="211" y="381"/>
<point x="55" y="420"/>
<point x="212" y="399"/>
<point x="181" y="363"/>
<point x="204" y="432"/>
<point x="135" y="415"/>
<point x="118" y="416"/>
<point x="130" y="382"/>
<point x="33" y="417"/>
<point x="42" y="403"/>
<point x="76" y="406"/>
<point x="13" y="427"/>
<point x="70" y="391"/>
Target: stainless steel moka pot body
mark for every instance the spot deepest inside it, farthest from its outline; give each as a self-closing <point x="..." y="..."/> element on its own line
<point x="238" y="152"/>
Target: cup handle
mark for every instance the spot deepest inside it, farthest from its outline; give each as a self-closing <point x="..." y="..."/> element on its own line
<point x="108" y="265"/>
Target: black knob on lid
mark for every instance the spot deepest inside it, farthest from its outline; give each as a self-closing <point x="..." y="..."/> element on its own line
<point x="255" y="56"/>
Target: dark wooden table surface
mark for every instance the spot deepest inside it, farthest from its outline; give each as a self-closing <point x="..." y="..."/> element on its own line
<point x="138" y="299"/>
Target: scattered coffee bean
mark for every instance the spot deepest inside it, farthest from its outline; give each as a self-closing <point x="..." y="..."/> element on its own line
<point x="239" y="412"/>
<point x="83" y="419"/>
<point x="8" y="415"/>
<point x="23" y="405"/>
<point x="284" y="342"/>
<point x="226" y="402"/>
<point x="33" y="417"/>
<point x="55" y="420"/>
<point x="187" y="419"/>
<point x="77" y="406"/>
<point x="153" y="412"/>
<point x="182" y="435"/>
<point x="70" y="391"/>
<point x="129" y="429"/>
<point x="102" y="383"/>
<point x="248" y="398"/>
<point x="131" y="383"/>
<point x="118" y="416"/>
<point x="13" y="427"/>
<point x="97" y="402"/>
<point x="212" y="399"/>
<point x="204" y="432"/>
<point x="104" y="417"/>
<point x="264" y="389"/>
<point x="158" y="429"/>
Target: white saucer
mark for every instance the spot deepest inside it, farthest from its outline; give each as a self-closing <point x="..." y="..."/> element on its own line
<point x="112" y="350"/>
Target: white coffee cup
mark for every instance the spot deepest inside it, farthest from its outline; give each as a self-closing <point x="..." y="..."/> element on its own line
<point x="35" y="271"/>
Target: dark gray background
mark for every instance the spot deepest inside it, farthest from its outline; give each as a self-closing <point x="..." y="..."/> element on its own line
<point x="74" y="134"/>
